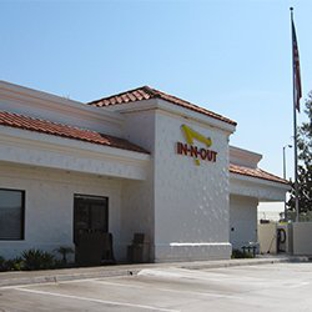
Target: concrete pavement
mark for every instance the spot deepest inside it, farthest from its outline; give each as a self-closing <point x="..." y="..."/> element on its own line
<point x="59" y="275"/>
<point x="279" y="287"/>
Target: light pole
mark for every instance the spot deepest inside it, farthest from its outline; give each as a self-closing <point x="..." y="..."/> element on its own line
<point x="284" y="175"/>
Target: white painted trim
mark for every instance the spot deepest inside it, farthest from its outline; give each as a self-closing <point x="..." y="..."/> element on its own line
<point x="90" y="299"/>
<point x="18" y="145"/>
<point x="63" y="144"/>
<point x="196" y="244"/>
<point x="153" y="104"/>
<point x="23" y="96"/>
<point x="263" y="190"/>
<point x="196" y="116"/>
<point x="259" y="181"/>
<point x="242" y="157"/>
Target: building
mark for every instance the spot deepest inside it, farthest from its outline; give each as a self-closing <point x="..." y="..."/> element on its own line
<point x="142" y="161"/>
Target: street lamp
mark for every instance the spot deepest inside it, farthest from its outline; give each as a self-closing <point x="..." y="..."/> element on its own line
<point x="284" y="175"/>
<point x="284" y="160"/>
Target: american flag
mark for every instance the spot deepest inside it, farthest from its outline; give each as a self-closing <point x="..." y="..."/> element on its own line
<point x="296" y="68"/>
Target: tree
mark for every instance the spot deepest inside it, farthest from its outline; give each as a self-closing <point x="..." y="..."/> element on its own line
<point x="304" y="164"/>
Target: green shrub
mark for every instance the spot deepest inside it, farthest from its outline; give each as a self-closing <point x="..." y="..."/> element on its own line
<point x="35" y="259"/>
<point x="64" y="251"/>
<point x="2" y="264"/>
<point x="239" y="254"/>
<point x="16" y="264"/>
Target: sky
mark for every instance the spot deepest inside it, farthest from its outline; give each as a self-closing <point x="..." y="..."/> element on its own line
<point x="231" y="57"/>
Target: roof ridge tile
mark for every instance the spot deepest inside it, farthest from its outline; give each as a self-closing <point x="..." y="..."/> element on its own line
<point x="147" y="92"/>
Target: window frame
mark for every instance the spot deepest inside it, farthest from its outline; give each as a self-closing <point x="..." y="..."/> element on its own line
<point x="22" y="221"/>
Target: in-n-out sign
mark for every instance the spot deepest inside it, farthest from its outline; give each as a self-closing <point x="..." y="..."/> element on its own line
<point x="191" y="150"/>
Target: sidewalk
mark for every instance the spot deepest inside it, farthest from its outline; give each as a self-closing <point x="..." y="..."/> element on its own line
<point x="60" y="275"/>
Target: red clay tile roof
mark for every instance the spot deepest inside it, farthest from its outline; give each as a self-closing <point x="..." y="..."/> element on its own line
<point x="256" y="173"/>
<point x="146" y="93"/>
<point x="44" y="126"/>
<point x="51" y="128"/>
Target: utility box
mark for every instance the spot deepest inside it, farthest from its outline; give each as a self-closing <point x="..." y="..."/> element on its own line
<point x="285" y="238"/>
<point x="138" y="251"/>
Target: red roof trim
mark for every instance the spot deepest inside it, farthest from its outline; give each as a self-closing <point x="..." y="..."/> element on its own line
<point x="256" y="173"/>
<point x="51" y="128"/>
<point x="146" y="93"/>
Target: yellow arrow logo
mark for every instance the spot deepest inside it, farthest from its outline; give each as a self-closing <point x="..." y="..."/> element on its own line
<point x="191" y="135"/>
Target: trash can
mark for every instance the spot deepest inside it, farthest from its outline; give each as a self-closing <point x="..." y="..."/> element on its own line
<point x="138" y="251"/>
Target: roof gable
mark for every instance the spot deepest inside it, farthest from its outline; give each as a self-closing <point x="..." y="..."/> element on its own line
<point x="146" y="93"/>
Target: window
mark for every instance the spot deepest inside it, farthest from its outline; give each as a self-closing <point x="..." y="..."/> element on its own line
<point x="12" y="209"/>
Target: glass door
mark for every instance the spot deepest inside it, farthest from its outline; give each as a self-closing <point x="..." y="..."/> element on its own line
<point x="90" y="215"/>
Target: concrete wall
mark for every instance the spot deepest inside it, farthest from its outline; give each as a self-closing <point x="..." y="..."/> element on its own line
<point x="243" y="220"/>
<point x="191" y="202"/>
<point x="302" y="242"/>
<point x="49" y="206"/>
<point x="267" y="238"/>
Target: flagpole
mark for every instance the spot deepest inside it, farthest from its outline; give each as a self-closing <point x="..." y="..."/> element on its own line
<point x="295" y="123"/>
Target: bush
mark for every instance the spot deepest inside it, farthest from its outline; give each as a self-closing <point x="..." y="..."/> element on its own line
<point x="64" y="251"/>
<point x="2" y="264"/>
<point x="16" y="264"/>
<point x="35" y="259"/>
<point x="239" y="254"/>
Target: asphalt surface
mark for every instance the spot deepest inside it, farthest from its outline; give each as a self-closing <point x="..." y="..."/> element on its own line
<point x="272" y="286"/>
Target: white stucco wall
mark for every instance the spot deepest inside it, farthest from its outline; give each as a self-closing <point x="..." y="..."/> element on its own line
<point x="182" y="208"/>
<point x="243" y="220"/>
<point x="49" y="206"/>
<point x="137" y="215"/>
<point x="191" y="202"/>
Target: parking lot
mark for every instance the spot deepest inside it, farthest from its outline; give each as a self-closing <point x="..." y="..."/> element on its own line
<point x="274" y="287"/>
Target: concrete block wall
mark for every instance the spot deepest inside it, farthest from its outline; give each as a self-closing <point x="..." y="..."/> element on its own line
<point x="302" y="242"/>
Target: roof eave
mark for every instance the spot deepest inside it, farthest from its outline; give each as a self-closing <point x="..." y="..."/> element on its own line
<point x="197" y="116"/>
<point x="248" y="178"/>
<point x="167" y="106"/>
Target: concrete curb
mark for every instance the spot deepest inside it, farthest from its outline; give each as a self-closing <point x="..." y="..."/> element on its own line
<point x="54" y="276"/>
